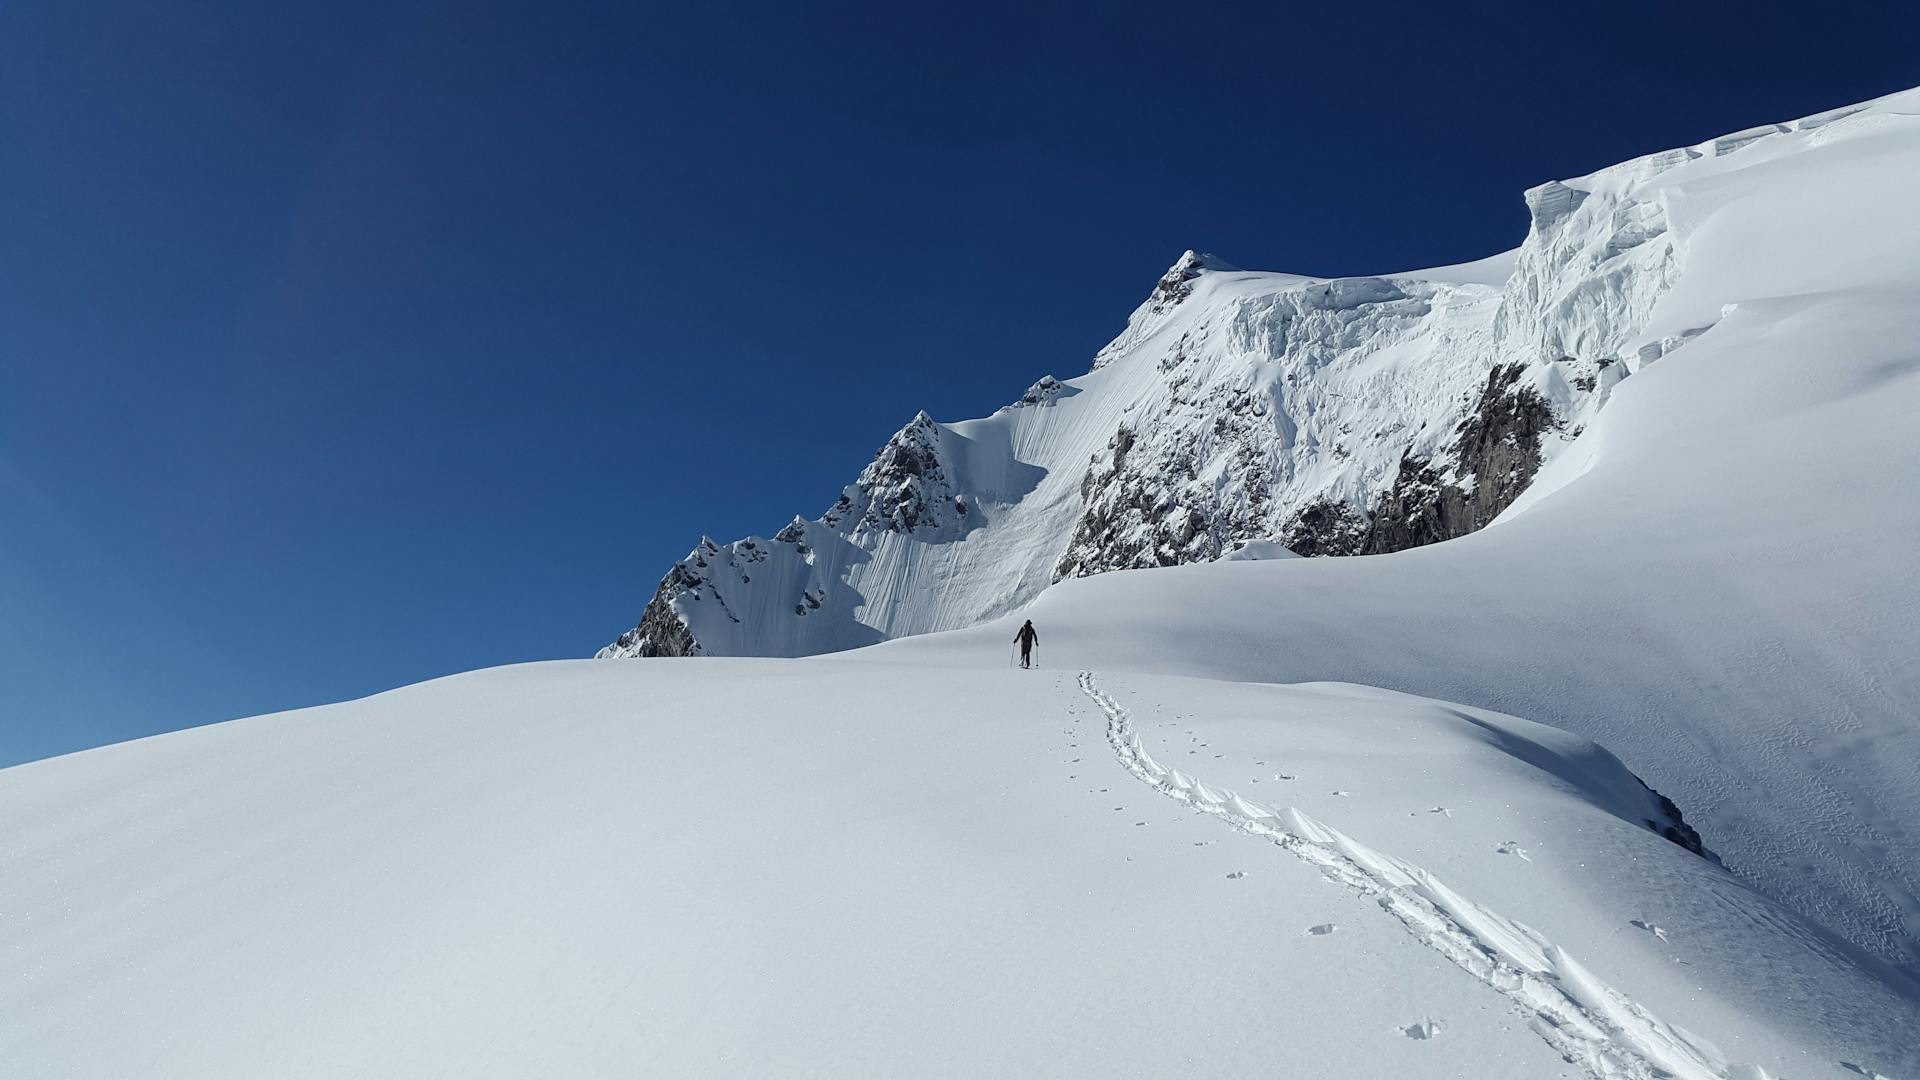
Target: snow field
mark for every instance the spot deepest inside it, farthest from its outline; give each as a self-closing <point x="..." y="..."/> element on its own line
<point x="812" y="868"/>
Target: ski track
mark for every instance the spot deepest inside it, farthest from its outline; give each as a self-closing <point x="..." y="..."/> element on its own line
<point x="1590" y="1024"/>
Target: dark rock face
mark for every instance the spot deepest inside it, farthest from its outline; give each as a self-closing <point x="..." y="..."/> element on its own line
<point x="1114" y="529"/>
<point x="795" y="533"/>
<point x="660" y="631"/>
<point x="906" y="488"/>
<point x="1141" y="513"/>
<point x="1146" y="503"/>
<point x="1153" y="511"/>
<point x="1497" y="452"/>
<point x="1175" y="285"/>
<point x="1045" y="392"/>
<point x="1325" y="528"/>
<point x="1675" y="827"/>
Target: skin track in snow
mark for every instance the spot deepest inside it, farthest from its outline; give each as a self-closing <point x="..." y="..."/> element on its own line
<point x="723" y="867"/>
<point x="1587" y="1022"/>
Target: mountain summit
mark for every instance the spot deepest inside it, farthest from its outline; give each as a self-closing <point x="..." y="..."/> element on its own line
<point x="1335" y="416"/>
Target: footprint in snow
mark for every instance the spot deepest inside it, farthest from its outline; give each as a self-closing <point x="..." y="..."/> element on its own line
<point x="1512" y="847"/>
<point x="1441" y="810"/>
<point x="1236" y="875"/>
<point x="1322" y="929"/>
<point x="1284" y="776"/>
<point x="1201" y="843"/>
<point x="1341" y="794"/>
<point x="1656" y="931"/>
<point x="1425" y="1029"/>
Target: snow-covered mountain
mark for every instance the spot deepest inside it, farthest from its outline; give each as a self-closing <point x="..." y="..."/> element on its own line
<point x="1335" y="416"/>
<point x="1716" y="580"/>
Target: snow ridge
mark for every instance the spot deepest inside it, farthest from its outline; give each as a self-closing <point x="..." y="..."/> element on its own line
<point x="1589" y="1023"/>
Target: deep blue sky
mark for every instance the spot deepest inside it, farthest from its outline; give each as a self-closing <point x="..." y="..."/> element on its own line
<point x="352" y="345"/>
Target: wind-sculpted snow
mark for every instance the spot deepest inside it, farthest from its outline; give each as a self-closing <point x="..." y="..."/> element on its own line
<point x="728" y="867"/>
<point x="1587" y="1022"/>
<point x="1341" y="416"/>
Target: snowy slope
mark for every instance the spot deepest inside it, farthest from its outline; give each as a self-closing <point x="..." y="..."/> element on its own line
<point x="1717" y="581"/>
<point x="816" y="868"/>
<point x="1714" y="577"/>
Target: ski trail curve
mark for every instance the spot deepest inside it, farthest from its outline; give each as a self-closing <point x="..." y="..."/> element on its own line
<point x="1590" y="1024"/>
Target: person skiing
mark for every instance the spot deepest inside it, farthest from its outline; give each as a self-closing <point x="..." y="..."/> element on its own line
<point x="1027" y="637"/>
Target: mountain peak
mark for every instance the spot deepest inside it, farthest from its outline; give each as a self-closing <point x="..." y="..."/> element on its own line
<point x="1192" y="262"/>
<point x="1177" y="283"/>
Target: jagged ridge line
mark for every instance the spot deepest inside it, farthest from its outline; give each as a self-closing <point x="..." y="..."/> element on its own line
<point x="1588" y="1035"/>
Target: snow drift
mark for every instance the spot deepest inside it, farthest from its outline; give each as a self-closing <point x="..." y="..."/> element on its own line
<point x="817" y="868"/>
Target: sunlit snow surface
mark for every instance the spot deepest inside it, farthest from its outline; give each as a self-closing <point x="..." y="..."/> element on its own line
<point x="1143" y="859"/>
<point x="1716" y="580"/>
<point x="817" y="868"/>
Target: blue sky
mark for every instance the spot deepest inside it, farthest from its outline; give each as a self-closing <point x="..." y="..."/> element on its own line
<point x="351" y="345"/>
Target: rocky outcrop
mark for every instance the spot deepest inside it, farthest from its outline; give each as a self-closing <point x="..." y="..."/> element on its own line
<point x="1324" y="527"/>
<point x="908" y="487"/>
<point x="661" y="631"/>
<point x="1293" y="448"/>
<point x="1177" y="283"/>
<point x="1487" y="467"/>
<point x="1044" y="392"/>
<point x="1177" y="500"/>
<point x="1172" y="290"/>
<point x="1674" y="827"/>
<point x="1135" y="518"/>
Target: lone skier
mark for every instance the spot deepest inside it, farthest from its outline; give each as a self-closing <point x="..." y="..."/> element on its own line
<point x="1027" y="637"/>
